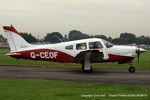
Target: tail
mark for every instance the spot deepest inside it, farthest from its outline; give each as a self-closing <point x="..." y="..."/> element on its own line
<point x="15" y="40"/>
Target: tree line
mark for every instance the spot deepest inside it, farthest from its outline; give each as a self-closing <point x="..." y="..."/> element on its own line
<point x="57" y="37"/>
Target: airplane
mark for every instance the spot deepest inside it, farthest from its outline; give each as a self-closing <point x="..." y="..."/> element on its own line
<point x="85" y="51"/>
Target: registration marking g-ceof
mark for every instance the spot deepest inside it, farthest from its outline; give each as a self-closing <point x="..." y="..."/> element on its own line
<point x="44" y="55"/>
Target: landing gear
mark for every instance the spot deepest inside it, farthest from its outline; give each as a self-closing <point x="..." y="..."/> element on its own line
<point x="87" y="68"/>
<point x="132" y="68"/>
<point x="86" y="63"/>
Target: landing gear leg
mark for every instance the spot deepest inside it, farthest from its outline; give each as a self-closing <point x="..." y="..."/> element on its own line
<point x="86" y="64"/>
<point x="131" y="68"/>
<point x="86" y="67"/>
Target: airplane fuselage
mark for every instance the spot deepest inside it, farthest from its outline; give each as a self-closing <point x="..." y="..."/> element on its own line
<point x="59" y="53"/>
<point x="83" y="51"/>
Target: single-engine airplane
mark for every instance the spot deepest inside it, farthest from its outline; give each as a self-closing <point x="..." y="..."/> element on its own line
<point x="85" y="51"/>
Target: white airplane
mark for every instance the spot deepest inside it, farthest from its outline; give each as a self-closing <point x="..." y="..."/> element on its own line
<point x="85" y="51"/>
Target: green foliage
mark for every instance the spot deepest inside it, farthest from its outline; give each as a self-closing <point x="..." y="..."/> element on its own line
<point x="2" y="39"/>
<point x="54" y="37"/>
<point x="76" y="35"/>
<point x="144" y="40"/>
<point x="127" y="35"/>
<point x="65" y="38"/>
<point x="110" y="39"/>
<point x="101" y="36"/>
<point x="28" y="37"/>
<point x="125" y="38"/>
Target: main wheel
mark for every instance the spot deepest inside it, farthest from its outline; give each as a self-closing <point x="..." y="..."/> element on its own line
<point x="88" y="71"/>
<point x="131" y="69"/>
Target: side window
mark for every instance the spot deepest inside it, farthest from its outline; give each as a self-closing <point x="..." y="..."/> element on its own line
<point x="70" y="47"/>
<point x="95" y="45"/>
<point x="81" y="46"/>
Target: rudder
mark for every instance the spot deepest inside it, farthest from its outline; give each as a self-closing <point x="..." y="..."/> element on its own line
<point x="15" y="40"/>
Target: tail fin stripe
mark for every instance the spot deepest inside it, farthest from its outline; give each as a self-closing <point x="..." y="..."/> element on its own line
<point x="11" y="28"/>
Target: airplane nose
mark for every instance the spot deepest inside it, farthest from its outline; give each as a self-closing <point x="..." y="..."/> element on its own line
<point x="141" y="50"/>
<point x="138" y="51"/>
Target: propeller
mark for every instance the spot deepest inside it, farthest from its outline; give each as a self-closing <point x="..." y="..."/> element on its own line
<point x="138" y="55"/>
<point x="138" y="50"/>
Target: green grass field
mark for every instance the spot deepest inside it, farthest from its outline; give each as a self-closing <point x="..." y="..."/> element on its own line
<point x="27" y="89"/>
<point x="6" y="60"/>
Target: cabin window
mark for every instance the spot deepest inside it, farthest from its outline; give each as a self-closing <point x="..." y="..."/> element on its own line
<point x="70" y="47"/>
<point x="95" y="45"/>
<point x="81" y="46"/>
<point x="108" y="44"/>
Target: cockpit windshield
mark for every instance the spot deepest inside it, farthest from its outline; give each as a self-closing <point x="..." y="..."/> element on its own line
<point x="108" y="44"/>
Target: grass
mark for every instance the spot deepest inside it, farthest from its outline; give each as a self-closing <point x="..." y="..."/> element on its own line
<point x="26" y="89"/>
<point x="6" y="60"/>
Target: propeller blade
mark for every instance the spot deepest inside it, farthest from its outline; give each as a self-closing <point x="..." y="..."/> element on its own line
<point x="138" y="56"/>
<point x="138" y="42"/>
<point x="138" y="51"/>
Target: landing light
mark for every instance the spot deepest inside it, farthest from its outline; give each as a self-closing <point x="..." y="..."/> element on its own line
<point x="100" y="50"/>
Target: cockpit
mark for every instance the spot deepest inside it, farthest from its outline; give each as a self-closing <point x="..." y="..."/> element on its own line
<point x="84" y="45"/>
<point x="95" y="45"/>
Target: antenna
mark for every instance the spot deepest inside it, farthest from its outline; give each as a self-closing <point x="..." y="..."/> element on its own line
<point x="38" y="38"/>
<point x="59" y="38"/>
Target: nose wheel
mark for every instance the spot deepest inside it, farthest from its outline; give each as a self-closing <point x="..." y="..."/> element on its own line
<point x="131" y="69"/>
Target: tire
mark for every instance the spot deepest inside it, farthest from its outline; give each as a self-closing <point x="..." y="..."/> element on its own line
<point x="89" y="71"/>
<point x="131" y="69"/>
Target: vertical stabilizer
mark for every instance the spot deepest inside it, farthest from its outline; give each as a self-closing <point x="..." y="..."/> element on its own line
<point x="15" y="40"/>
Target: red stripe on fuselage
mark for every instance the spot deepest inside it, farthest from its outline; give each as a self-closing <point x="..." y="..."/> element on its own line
<point x="46" y="55"/>
<point x="58" y="56"/>
<point x="113" y="58"/>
